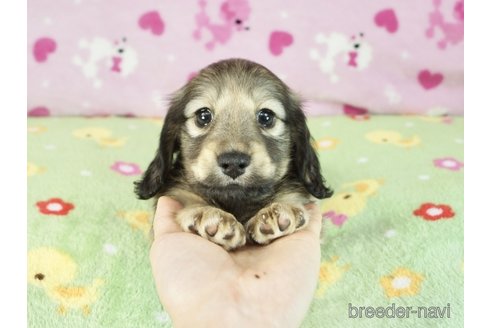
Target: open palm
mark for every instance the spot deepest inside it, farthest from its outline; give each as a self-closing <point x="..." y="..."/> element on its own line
<point x="202" y="285"/>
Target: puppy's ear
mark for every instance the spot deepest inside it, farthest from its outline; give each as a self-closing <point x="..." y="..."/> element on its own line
<point x="156" y="178"/>
<point x="304" y="156"/>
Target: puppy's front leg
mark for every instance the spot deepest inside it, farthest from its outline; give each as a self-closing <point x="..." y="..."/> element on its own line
<point x="276" y="220"/>
<point x="210" y="222"/>
<point x="213" y="224"/>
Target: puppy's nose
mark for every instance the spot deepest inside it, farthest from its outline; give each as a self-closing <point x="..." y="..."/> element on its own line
<point x="234" y="163"/>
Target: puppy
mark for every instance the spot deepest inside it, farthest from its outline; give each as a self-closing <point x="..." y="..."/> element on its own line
<point x="235" y="150"/>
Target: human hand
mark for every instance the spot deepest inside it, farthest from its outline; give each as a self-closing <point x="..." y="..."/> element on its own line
<point x="202" y="285"/>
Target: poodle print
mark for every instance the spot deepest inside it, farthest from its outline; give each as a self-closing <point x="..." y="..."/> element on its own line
<point x="105" y="56"/>
<point x="452" y="31"/>
<point x="233" y="15"/>
<point x="353" y="52"/>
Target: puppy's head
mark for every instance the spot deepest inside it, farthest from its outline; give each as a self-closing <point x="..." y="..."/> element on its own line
<point x="234" y="126"/>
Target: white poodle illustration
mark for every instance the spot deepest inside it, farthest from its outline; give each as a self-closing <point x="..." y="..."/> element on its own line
<point x="104" y="55"/>
<point x="233" y="15"/>
<point x="351" y="51"/>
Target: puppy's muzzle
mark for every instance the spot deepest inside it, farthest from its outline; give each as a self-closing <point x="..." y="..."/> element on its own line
<point x="233" y="164"/>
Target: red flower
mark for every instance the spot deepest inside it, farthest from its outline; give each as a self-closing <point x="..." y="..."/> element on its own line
<point x="54" y="206"/>
<point x="433" y="212"/>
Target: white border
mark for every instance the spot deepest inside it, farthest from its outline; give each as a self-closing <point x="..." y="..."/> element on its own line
<point x="13" y="90"/>
<point x="478" y="180"/>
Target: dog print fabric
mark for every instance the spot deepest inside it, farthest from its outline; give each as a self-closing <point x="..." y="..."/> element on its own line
<point x="88" y="57"/>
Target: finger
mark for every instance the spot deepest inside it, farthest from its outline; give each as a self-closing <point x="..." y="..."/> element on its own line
<point x="165" y="214"/>
<point x="314" y="224"/>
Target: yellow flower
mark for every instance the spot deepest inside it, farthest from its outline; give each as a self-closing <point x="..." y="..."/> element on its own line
<point x="326" y="143"/>
<point x="402" y="282"/>
<point x="33" y="169"/>
<point x="36" y="129"/>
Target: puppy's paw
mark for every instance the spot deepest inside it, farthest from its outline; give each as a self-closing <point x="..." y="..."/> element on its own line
<point x="274" y="221"/>
<point x="215" y="225"/>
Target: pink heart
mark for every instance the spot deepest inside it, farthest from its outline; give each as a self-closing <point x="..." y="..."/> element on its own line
<point x="38" y="112"/>
<point x="386" y="18"/>
<point x="42" y="48"/>
<point x="152" y="21"/>
<point x="354" y="111"/>
<point x="278" y="41"/>
<point x="428" y="80"/>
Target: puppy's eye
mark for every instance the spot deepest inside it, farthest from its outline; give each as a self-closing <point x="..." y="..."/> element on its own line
<point x="266" y="118"/>
<point x="203" y="117"/>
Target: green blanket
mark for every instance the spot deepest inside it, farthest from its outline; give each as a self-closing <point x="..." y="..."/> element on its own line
<point x="393" y="235"/>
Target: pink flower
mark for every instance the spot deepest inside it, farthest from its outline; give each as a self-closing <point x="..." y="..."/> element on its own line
<point x="448" y="163"/>
<point x="126" y="168"/>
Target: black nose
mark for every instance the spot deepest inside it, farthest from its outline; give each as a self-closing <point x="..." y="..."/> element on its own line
<point x="234" y="163"/>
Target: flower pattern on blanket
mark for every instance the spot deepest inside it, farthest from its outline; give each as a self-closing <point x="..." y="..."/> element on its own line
<point x="392" y="230"/>
<point x="125" y="168"/>
<point x="33" y="169"/>
<point x="402" y="282"/>
<point x="36" y="129"/>
<point x="448" y="163"/>
<point x="326" y="143"/>
<point x="433" y="212"/>
<point x="55" y="206"/>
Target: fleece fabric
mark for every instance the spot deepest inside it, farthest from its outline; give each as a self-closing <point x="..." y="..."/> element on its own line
<point x="392" y="252"/>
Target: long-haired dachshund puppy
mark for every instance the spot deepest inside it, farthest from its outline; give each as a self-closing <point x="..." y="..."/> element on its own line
<point x="235" y="150"/>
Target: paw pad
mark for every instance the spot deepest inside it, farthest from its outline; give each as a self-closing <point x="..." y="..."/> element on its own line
<point x="215" y="225"/>
<point x="275" y="221"/>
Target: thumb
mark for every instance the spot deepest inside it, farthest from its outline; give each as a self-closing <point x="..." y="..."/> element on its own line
<point x="165" y="215"/>
<point x="314" y="224"/>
